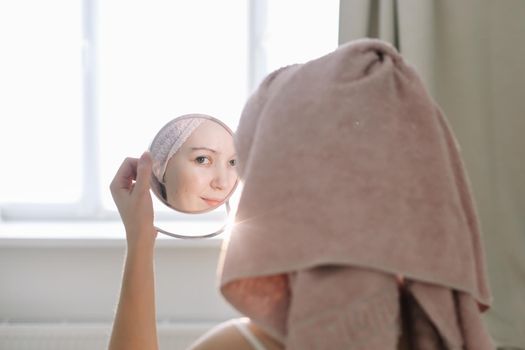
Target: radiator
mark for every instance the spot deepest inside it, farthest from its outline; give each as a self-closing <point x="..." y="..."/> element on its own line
<point x="82" y="336"/>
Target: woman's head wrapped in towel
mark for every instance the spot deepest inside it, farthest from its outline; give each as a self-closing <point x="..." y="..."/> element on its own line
<point x="352" y="178"/>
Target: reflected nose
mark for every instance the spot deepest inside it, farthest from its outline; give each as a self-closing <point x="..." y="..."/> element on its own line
<point x="221" y="180"/>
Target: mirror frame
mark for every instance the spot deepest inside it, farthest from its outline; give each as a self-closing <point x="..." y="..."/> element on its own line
<point x="155" y="184"/>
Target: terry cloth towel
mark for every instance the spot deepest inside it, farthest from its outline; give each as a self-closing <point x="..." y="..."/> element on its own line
<point x="353" y="182"/>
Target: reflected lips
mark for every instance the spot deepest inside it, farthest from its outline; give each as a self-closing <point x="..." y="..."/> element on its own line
<point x="212" y="202"/>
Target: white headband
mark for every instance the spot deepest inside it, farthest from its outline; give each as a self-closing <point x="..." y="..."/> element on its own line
<point x="169" y="139"/>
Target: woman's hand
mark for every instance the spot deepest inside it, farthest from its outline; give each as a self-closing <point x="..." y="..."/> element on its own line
<point x="135" y="321"/>
<point x="130" y="191"/>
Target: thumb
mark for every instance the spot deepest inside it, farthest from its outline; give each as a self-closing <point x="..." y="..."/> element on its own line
<point x="143" y="173"/>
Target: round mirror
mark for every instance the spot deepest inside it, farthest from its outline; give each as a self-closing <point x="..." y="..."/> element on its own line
<point x="194" y="166"/>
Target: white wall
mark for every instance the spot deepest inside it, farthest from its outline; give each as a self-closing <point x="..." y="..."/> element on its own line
<point x="76" y="280"/>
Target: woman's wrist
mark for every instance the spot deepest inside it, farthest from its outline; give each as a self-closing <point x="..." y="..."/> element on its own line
<point x="140" y="255"/>
<point x="141" y="241"/>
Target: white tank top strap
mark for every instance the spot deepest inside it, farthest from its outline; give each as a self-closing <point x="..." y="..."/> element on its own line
<point x="242" y="326"/>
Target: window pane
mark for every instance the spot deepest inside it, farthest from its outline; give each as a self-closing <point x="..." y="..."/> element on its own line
<point x="314" y="31"/>
<point x="41" y="104"/>
<point x="161" y="59"/>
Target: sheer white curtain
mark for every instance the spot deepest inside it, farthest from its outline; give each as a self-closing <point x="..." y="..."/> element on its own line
<point x="470" y="54"/>
<point x="85" y="83"/>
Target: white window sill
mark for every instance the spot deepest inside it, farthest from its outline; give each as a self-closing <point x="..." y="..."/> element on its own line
<point x="93" y="234"/>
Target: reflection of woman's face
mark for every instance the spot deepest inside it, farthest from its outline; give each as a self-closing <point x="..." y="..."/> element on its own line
<point x="201" y="174"/>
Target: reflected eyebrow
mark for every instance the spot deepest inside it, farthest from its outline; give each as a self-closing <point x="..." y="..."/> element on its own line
<point x="203" y="148"/>
<point x="209" y="149"/>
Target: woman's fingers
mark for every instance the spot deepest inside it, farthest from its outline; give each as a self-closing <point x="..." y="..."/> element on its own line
<point x="125" y="175"/>
<point x="143" y="173"/>
<point x="130" y="191"/>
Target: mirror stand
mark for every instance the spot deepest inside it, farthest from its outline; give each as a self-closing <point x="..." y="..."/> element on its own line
<point x="209" y="235"/>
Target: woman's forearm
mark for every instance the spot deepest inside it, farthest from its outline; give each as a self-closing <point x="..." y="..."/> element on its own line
<point x="135" y="321"/>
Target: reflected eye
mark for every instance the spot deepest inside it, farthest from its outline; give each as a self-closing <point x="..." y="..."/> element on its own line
<point x="233" y="162"/>
<point x="202" y="160"/>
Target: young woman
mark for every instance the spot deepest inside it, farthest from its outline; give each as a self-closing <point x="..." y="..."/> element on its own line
<point x="355" y="229"/>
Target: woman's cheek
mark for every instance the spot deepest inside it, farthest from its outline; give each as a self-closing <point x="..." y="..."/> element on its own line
<point x="201" y="179"/>
<point x="231" y="182"/>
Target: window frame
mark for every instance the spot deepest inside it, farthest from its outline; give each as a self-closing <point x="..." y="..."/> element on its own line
<point x="90" y="206"/>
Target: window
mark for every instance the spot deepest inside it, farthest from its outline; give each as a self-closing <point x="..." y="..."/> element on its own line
<point x="86" y="83"/>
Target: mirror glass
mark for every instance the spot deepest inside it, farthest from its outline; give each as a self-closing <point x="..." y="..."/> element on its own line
<point x="194" y="164"/>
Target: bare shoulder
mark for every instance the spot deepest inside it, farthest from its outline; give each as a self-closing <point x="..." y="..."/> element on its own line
<point x="223" y="336"/>
<point x="228" y="336"/>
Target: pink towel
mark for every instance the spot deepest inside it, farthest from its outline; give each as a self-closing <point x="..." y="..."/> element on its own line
<point x="352" y="179"/>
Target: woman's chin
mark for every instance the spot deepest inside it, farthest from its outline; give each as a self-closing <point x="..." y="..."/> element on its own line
<point x="193" y="206"/>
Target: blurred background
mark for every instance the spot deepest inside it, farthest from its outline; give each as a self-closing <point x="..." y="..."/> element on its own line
<point x="86" y="83"/>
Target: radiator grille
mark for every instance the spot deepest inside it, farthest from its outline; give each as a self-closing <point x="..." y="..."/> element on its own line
<point x="81" y="336"/>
